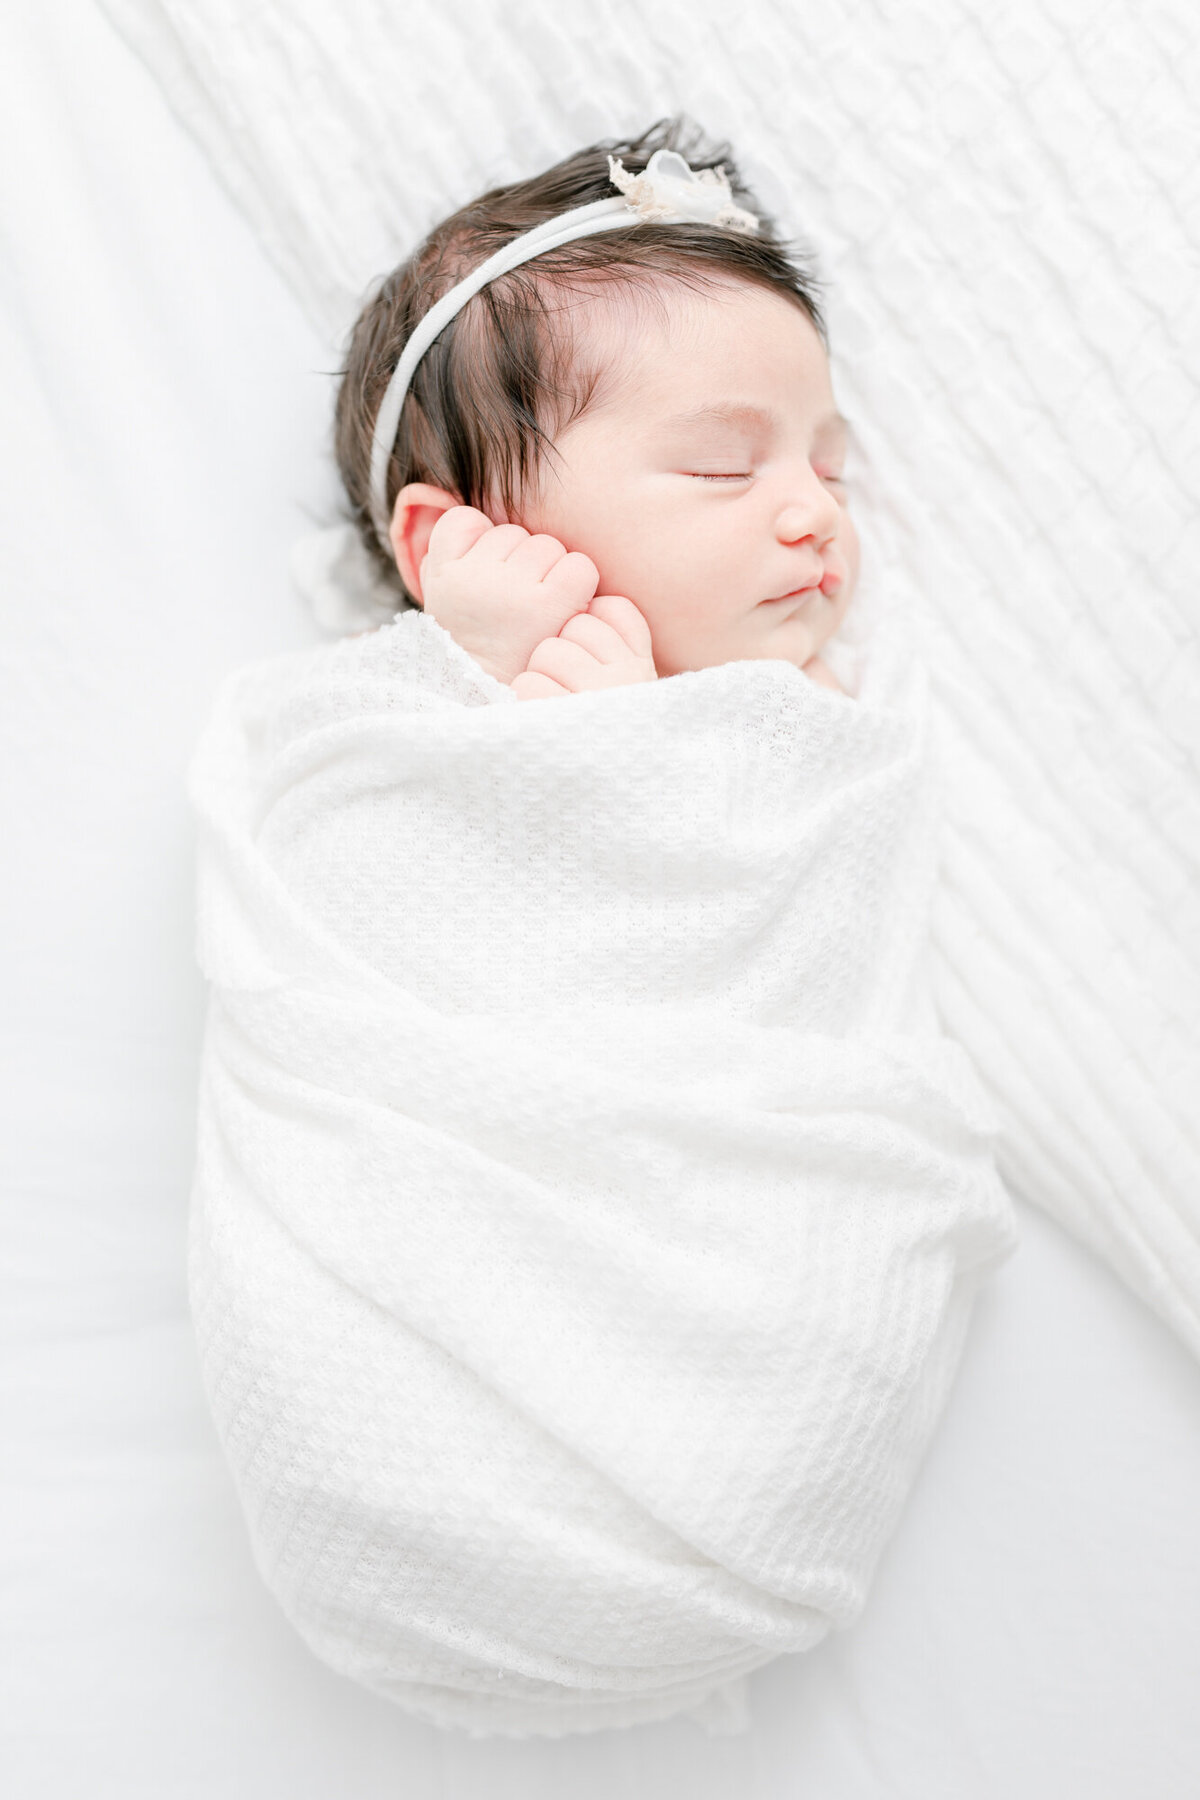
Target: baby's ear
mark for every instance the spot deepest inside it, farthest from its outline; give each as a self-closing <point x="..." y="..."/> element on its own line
<point x="417" y="510"/>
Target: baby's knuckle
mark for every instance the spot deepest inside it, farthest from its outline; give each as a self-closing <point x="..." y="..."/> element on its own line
<point x="580" y="628"/>
<point x="576" y="567"/>
<point x="547" y="657"/>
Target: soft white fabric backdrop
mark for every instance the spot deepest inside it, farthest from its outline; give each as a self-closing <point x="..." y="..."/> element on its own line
<point x="1033" y="1631"/>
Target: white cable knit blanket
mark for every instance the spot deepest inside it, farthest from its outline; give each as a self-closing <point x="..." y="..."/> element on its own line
<point x="587" y="1211"/>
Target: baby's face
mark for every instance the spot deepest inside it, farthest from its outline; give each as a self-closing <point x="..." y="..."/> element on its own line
<point x="706" y="483"/>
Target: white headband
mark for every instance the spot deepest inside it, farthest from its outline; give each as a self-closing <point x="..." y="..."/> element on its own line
<point x="668" y="191"/>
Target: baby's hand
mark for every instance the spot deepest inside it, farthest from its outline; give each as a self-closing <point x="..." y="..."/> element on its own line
<point x="498" y="590"/>
<point x="606" y="646"/>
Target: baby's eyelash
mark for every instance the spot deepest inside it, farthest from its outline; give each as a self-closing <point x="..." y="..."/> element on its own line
<point x="744" y="475"/>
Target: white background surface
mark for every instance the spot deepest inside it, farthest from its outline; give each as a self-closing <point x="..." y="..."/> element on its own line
<point x="1033" y="1631"/>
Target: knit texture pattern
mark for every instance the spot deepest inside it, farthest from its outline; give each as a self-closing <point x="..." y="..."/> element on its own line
<point x="587" y="1210"/>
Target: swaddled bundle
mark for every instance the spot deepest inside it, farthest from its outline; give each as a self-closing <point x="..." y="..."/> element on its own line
<point x="587" y="1211"/>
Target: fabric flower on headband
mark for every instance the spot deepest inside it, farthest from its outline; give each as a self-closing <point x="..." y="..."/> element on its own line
<point x="669" y="188"/>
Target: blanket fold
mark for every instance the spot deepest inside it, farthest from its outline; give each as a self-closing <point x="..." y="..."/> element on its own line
<point x="587" y="1209"/>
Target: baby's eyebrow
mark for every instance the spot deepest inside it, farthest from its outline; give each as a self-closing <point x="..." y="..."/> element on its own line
<point x="726" y="414"/>
<point x="833" y="426"/>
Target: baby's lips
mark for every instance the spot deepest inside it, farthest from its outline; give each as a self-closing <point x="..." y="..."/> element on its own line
<point x="832" y="581"/>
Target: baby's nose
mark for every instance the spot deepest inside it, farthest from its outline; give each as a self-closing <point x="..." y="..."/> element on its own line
<point x="810" y="510"/>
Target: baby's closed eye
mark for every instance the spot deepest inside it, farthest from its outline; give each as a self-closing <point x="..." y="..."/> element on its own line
<point x="827" y="476"/>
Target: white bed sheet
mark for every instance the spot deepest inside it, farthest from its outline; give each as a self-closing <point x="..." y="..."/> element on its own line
<point x="1034" y="1628"/>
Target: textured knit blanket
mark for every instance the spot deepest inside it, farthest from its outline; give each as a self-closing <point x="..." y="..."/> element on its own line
<point x="587" y="1210"/>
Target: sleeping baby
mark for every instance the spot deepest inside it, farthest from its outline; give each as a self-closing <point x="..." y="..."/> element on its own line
<point x="659" y="401"/>
<point x="588" y="1209"/>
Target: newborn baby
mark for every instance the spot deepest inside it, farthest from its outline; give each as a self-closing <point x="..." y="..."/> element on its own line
<point x="587" y="1210"/>
<point x="682" y="500"/>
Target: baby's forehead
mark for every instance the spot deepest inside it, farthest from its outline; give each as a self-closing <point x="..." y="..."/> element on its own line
<point x="704" y="356"/>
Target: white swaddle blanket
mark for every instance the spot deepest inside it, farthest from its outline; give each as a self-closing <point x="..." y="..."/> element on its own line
<point x="587" y="1211"/>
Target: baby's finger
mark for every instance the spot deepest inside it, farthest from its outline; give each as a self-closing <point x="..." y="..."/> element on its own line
<point x="498" y="544"/>
<point x="626" y="621"/>
<point x="530" y="684"/>
<point x="455" y="533"/>
<point x="597" y="637"/>
<point x="573" y="580"/>
<point x="537" y="556"/>
<point x="566" y="662"/>
<point x="582" y="672"/>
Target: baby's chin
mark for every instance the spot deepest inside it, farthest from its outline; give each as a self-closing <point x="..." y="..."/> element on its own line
<point x="793" y="646"/>
<point x="796" y="633"/>
<point x="799" y="636"/>
<point x="825" y="620"/>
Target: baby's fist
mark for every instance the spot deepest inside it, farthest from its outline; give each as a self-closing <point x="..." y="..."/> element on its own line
<point x="606" y="646"/>
<point x="498" y="590"/>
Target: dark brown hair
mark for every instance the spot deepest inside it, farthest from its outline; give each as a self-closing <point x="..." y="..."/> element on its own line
<point x="497" y="385"/>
